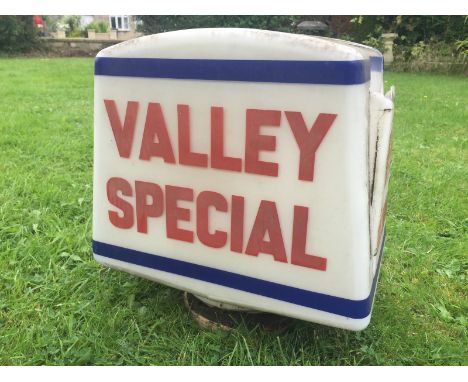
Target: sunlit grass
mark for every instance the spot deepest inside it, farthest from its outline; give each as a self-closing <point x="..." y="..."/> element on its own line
<point x="58" y="306"/>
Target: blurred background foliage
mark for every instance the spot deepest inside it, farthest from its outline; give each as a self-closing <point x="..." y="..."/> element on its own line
<point x="428" y="43"/>
<point x="424" y="43"/>
<point x="410" y="29"/>
<point x="18" y="34"/>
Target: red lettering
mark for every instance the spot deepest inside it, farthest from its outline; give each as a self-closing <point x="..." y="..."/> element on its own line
<point x="265" y="237"/>
<point x="205" y="200"/>
<point x="143" y="190"/>
<point x="298" y="255"/>
<point x="267" y="221"/>
<point x="255" y="142"/>
<point x="174" y="213"/>
<point x="237" y="224"/>
<point x="155" y="126"/>
<point x="186" y="156"/>
<point x="115" y="186"/>
<point x="218" y="160"/>
<point x="123" y="135"/>
<point x="308" y="141"/>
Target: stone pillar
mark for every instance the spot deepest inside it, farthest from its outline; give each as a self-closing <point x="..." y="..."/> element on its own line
<point x="388" y="46"/>
<point x="60" y="34"/>
<point x="92" y="34"/>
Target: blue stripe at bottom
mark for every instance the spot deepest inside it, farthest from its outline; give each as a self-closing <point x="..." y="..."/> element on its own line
<point x="337" y="305"/>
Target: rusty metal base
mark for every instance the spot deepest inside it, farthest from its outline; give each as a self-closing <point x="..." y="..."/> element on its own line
<point x="213" y="318"/>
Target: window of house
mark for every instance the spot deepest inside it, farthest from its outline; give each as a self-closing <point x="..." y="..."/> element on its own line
<point x="121" y="23"/>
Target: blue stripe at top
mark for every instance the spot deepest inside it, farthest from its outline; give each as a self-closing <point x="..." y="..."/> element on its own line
<point x="277" y="71"/>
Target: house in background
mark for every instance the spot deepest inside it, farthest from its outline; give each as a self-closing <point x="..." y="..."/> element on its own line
<point x="121" y="27"/>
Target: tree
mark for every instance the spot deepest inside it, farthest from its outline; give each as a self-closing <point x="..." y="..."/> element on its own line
<point x="17" y="34"/>
<point x="158" y="24"/>
<point x="411" y="29"/>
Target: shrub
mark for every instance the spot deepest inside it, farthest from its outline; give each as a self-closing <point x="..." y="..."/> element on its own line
<point x="73" y="26"/>
<point x="429" y="43"/>
<point x="158" y="24"/>
<point x="432" y="56"/>
<point x="18" y="34"/>
<point x="410" y="29"/>
<point x="462" y="46"/>
<point x="75" y="33"/>
<point x="100" y="27"/>
<point x="375" y="42"/>
<point x="52" y="23"/>
<point x="92" y="25"/>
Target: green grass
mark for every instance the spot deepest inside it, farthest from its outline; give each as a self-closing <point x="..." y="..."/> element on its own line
<point x="58" y="306"/>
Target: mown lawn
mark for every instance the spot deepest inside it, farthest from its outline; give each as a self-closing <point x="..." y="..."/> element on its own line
<point x="58" y="306"/>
